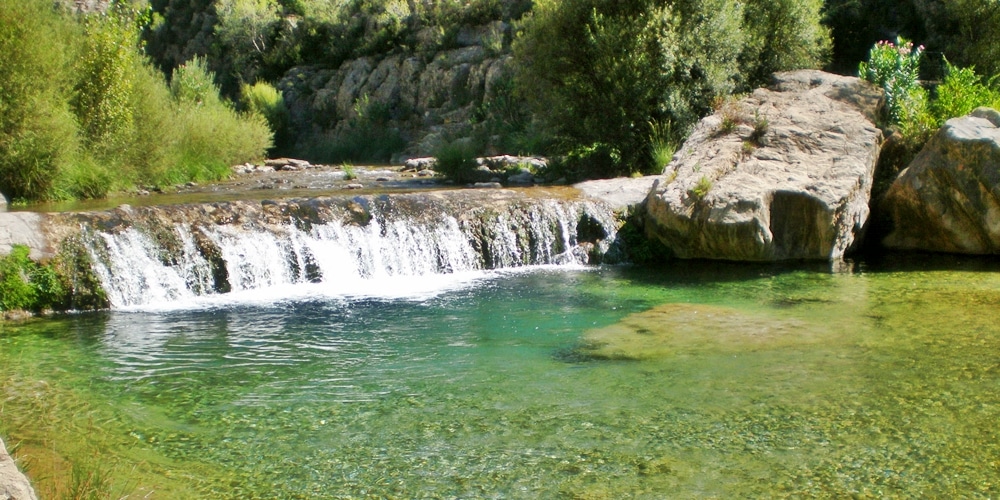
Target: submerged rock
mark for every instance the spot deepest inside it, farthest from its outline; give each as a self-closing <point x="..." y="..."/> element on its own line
<point x="13" y="484"/>
<point x="680" y="329"/>
<point x="785" y="173"/>
<point x="948" y="199"/>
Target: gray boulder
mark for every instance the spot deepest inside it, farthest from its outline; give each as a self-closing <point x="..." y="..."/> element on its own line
<point x="3" y="202"/>
<point x="948" y="198"/>
<point x="783" y="174"/>
<point x="13" y="484"/>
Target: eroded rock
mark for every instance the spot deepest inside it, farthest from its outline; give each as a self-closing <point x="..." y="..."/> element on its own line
<point x="785" y="173"/>
<point x="948" y="198"/>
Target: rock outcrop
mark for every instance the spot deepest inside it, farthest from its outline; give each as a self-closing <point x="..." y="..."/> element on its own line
<point x="948" y="198"/>
<point x="784" y="174"/>
<point x="24" y="228"/>
<point x="428" y="102"/>
<point x="13" y="484"/>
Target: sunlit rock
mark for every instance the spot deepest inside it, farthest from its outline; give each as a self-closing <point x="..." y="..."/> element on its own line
<point x="785" y="173"/>
<point x="948" y="199"/>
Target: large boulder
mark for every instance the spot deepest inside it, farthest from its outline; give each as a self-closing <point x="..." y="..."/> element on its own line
<point x="13" y="484"/>
<point x="785" y="173"/>
<point x="948" y="198"/>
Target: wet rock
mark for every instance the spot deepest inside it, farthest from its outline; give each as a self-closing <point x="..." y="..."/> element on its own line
<point x="13" y="484"/>
<point x="354" y="185"/>
<point x="948" y="198"/>
<point x="426" y="173"/>
<point x="487" y="185"/>
<point x="783" y="174"/>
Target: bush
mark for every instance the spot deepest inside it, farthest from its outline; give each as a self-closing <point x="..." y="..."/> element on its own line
<point x="263" y="99"/>
<point x="601" y="73"/>
<point x="895" y="68"/>
<point x="961" y="92"/>
<point x="457" y="162"/>
<point x="783" y="35"/>
<point x="25" y="285"/>
<point x="367" y="137"/>
<point x="212" y="135"/>
<point x="38" y="133"/>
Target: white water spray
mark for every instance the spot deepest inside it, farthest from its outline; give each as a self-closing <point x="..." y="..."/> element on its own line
<point x="333" y="258"/>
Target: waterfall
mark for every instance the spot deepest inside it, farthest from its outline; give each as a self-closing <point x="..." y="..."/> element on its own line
<point x="158" y="255"/>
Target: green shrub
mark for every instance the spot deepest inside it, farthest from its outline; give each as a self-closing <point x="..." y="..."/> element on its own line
<point x="265" y="100"/>
<point x="245" y="34"/>
<point x="106" y="83"/>
<point x="895" y="68"/>
<point x="38" y="133"/>
<point x="701" y="188"/>
<point x="456" y="161"/>
<point x="783" y="35"/>
<point x="968" y="31"/>
<point x="599" y="73"/>
<point x="25" y="285"/>
<point x="961" y="92"/>
<point x="367" y="137"/>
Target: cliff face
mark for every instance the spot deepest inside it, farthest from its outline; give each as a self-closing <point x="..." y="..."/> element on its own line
<point x="427" y="100"/>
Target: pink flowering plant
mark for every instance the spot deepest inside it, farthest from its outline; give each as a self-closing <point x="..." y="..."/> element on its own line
<point x="895" y="68"/>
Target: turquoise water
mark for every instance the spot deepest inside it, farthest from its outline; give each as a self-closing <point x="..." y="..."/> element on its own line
<point x="879" y="382"/>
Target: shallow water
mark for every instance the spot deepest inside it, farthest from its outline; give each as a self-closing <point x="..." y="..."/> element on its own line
<point x="880" y="382"/>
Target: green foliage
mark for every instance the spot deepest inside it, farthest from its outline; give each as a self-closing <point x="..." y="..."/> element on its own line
<point x="245" y="34"/>
<point x="963" y="91"/>
<point x="106" y="82"/>
<point x="457" y="162"/>
<point x="349" y="172"/>
<point x="599" y="73"/>
<point x="663" y="142"/>
<point x="968" y="32"/>
<point x="367" y="136"/>
<point x="25" y="285"/>
<point x="263" y="99"/>
<point x="38" y="133"/>
<point x="783" y="35"/>
<point x="83" y="114"/>
<point x="965" y="31"/>
<point x="701" y="188"/>
<point x="895" y="68"/>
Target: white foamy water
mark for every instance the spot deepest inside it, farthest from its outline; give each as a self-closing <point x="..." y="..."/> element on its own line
<point x="390" y="257"/>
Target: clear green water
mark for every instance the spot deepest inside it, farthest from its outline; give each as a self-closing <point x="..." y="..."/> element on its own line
<point x="886" y="384"/>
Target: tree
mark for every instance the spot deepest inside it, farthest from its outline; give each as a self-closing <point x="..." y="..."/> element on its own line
<point x="605" y="75"/>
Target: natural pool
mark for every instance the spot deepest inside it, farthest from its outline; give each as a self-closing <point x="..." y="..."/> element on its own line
<point x="752" y="381"/>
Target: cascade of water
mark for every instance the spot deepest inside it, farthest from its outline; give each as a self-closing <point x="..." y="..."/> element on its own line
<point x="136" y="268"/>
